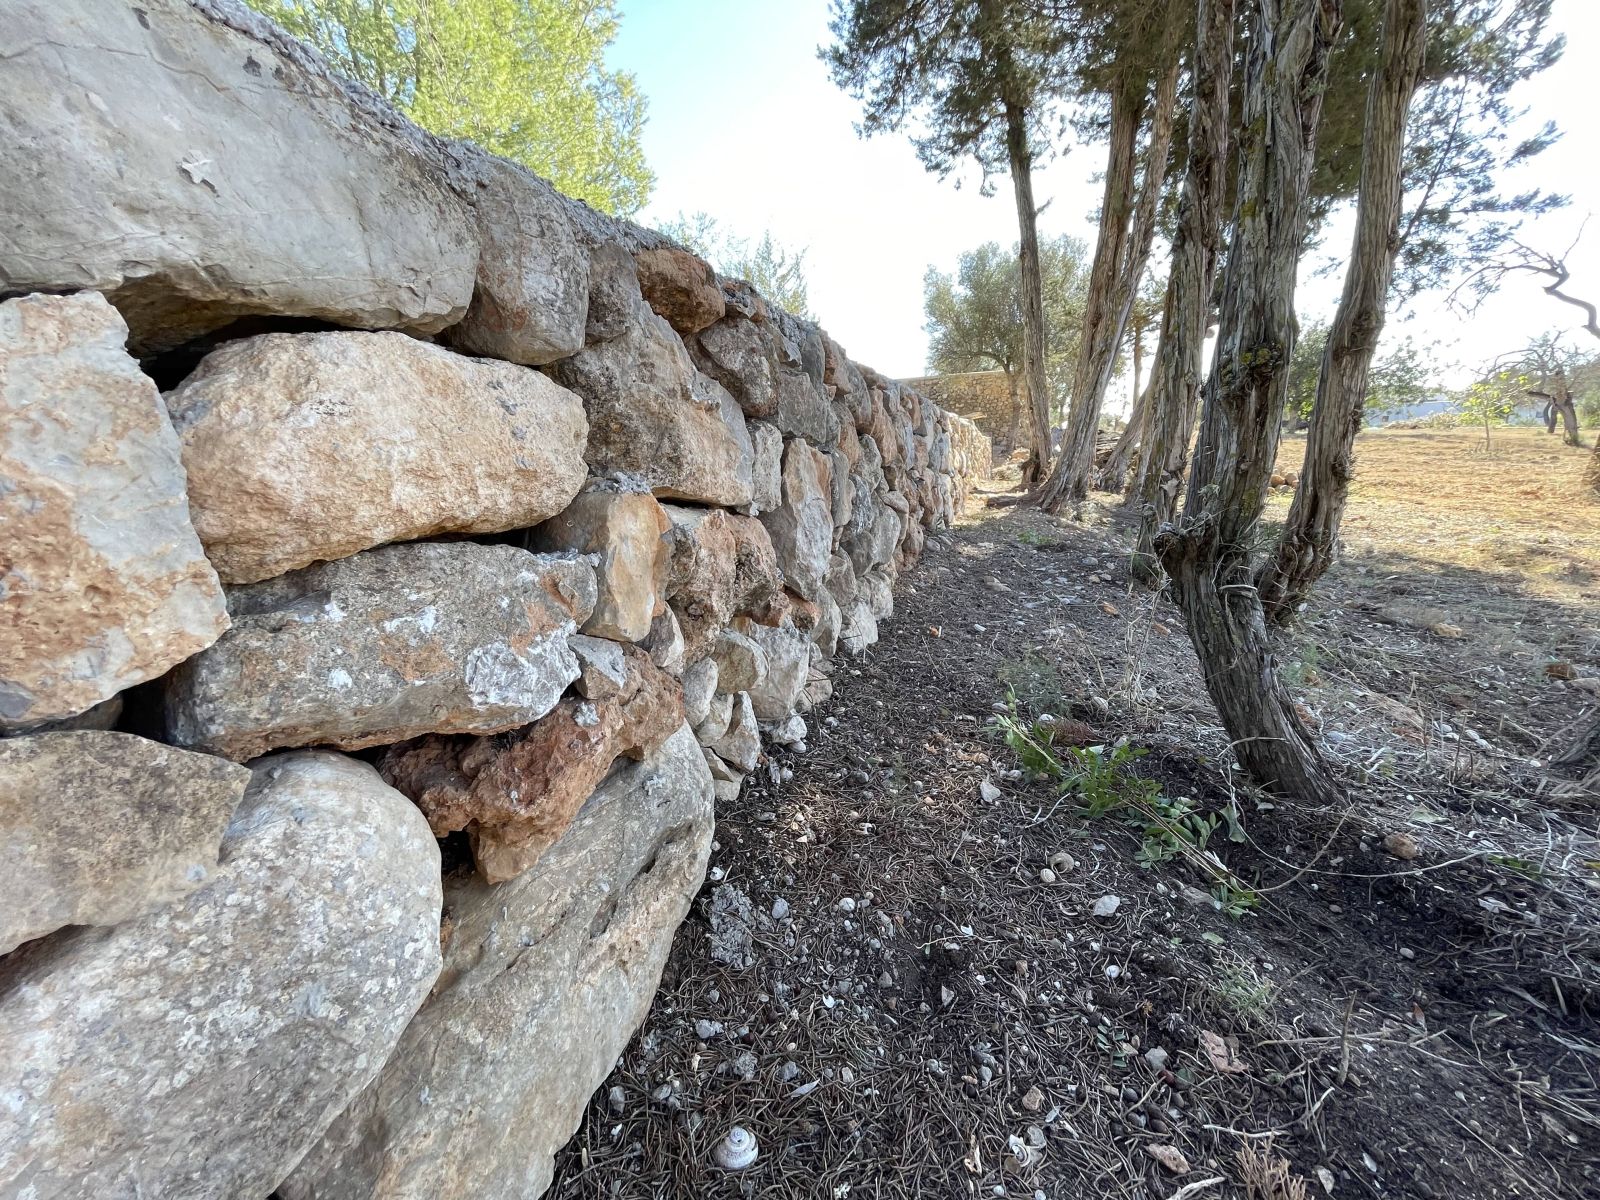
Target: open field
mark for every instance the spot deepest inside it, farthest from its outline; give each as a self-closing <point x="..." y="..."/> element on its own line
<point x="935" y="1003"/>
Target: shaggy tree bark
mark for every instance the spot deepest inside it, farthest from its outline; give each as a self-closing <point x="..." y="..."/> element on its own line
<point x="1308" y="544"/>
<point x="1119" y="287"/>
<point x="1208" y="553"/>
<point x="1021" y="158"/>
<point x="1175" y="382"/>
<point x="1115" y="469"/>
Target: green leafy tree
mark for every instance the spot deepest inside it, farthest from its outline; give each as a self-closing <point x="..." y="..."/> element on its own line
<point x="524" y="79"/>
<point x="1493" y="399"/>
<point x="777" y="271"/>
<point x="974" y="317"/>
<point x="977" y="80"/>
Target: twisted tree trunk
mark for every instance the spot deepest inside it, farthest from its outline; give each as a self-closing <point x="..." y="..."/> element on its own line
<point x="1115" y="469"/>
<point x="1097" y="357"/>
<point x="1208" y="553"/>
<point x="1021" y="159"/>
<point x="1308" y="544"/>
<point x="1175" y="382"/>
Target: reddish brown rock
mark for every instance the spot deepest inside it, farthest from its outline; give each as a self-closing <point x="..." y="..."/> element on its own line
<point x="517" y="792"/>
<point x="681" y="288"/>
<point x="721" y="565"/>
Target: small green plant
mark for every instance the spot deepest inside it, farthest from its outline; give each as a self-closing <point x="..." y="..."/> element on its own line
<point x="1102" y="779"/>
<point x="1032" y="537"/>
<point x="1033" y="684"/>
<point x="1242" y="991"/>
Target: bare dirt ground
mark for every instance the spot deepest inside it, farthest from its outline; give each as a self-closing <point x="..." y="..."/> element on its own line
<point x="912" y="1009"/>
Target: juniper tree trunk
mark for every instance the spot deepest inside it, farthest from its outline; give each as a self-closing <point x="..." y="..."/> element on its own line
<point x="1308" y="544"/>
<point x="1016" y="411"/>
<point x="1127" y="104"/>
<point x="1069" y="479"/>
<point x="1115" y="469"/>
<point x="1175" y="381"/>
<point x="1021" y="159"/>
<point x="1208" y="553"/>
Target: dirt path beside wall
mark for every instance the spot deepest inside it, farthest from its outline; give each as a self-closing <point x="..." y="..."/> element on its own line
<point x="884" y="985"/>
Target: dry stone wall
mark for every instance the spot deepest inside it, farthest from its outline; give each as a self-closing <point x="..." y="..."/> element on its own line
<point x="398" y="562"/>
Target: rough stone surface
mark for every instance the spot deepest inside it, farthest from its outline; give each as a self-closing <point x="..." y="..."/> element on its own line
<point x="741" y="664"/>
<point x="305" y="447"/>
<point x="801" y="527"/>
<point x="431" y="637"/>
<point x="654" y="419"/>
<point x="103" y="583"/>
<point x="199" y="1050"/>
<point x="740" y="744"/>
<point x="625" y="532"/>
<point x="602" y="667"/>
<point x="516" y="793"/>
<point x="721" y="565"/>
<point x="99" y="828"/>
<point x="545" y="980"/>
<point x="219" y="170"/>
<point x="740" y="357"/>
<point x="788" y="654"/>
<point x="804" y="411"/>
<point x="699" y="685"/>
<point x="666" y="645"/>
<point x="532" y="296"/>
<point x="680" y="287"/>
<point x="766" y="445"/>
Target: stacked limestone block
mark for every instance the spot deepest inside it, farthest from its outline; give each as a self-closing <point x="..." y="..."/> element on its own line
<point x="469" y="517"/>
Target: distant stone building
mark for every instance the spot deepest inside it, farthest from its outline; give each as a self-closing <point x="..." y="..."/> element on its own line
<point x="983" y="397"/>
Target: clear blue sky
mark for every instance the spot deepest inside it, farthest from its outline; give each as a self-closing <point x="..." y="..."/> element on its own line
<point x="745" y="125"/>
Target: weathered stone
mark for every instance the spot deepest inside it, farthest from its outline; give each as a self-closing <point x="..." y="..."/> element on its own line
<point x="718" y="713"/>
<point x="655" y="419"/>
<point x="824" y="631"/>
<point x="804" y="410"/>
<point x="680" y="287"/>
<point x="841" y="579"/>
<point x="665" y="643"/>
<point x="516" y="793"/>
<point x="740" y="357"/>
<point x="721" y="565"/>
<point x="767" y="474"/>
<point x="740" y="663"/>
<point x="103" y="583"/>
<point x="801" y="527"/>
<point x="104" y="715"/>
<point x="841" y="489"/>
<point x="721" y="772"/>
<point x="283" y="190"/>
<point x="788" y="732"/>
<point x="546" y="979"/>
<point x="602" y="667"/>
<point x="625" y="532"/>
<point x="100" y="828"/>
<point x="312" y="446"/>
<point x="788" y="653"/>
<point x="699" y="685"/>
<point x="740" y="744"/>
<point x="430" y="637"/>
<point x="198" y="1051"/>
<point x="860" y="627"/>
<point x="877" y="589"/>
<point x="613" y="292"/>
<point x="872" y="535"/>
<point x="532" y="296"/>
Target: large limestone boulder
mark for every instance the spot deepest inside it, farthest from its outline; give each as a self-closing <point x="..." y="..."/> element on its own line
<point x="766" y="444"/>
<point x="103" y="583"/>
<point x="199" y="1050"/>
<point x="431" y="637"/>
<point x="788" y="655"/>
<point x="517" y="792"/>
<point x="532" y="295"/>
<point x="626" y="532"/>
<point x="98" y="828"/>
<point x="545" y="980"/>
<point x="804" y="410"/>
<point x="801" y="527"/>
<point x="740" y="357"/>
<point x="312" y="446"/>
<point x="721" y="565"/>
<point x="197" y="165"/>
<point x="656" y="420"/>
<point x="680" y="287"/>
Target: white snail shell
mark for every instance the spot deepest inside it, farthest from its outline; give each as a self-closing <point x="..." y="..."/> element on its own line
<point x="736" y="1151"/>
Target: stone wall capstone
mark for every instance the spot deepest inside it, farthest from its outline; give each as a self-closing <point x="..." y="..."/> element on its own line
<point x="469" y="518"/>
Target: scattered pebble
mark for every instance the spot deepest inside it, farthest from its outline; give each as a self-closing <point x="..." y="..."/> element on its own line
<point x="706" y="1030"/>
<point x="1400" y="845"/>
<point x="1157" y="1058"/>
<point x="780" y="909"/>
<point x="989" y="792"/>
<point x="1107" y="906"/>
<point x="1046" y="875"/>
<point x="1033" y="1099"/>
<point x="847" y="905"/>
